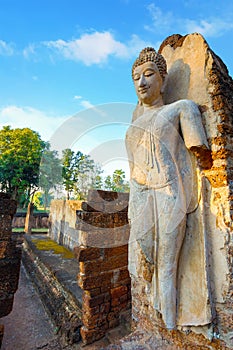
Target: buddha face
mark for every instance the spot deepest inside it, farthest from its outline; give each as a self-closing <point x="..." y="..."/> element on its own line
<point x="148" y="83"/>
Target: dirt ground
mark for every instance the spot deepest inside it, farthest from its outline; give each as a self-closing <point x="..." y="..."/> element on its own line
<point x="28" y="327"/>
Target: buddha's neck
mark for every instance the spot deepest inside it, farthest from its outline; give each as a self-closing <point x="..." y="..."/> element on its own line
<point x="156" y="104"/>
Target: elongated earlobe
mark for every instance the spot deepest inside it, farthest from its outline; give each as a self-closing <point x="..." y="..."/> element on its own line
<point x="164" y="84"/>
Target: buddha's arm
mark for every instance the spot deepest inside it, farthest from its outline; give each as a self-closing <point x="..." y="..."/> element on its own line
<point x="194" y="133"/>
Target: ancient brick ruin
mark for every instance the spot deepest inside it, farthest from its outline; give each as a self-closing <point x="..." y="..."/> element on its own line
<point x="10" y="256"/>
<point x="101" y="298"/>
<point x="98" y="232"/>
<point x="103" y="259"/>
<point x="39" y="220"/>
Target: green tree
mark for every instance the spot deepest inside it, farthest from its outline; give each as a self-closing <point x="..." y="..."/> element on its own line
<point x="80" y="173"/>
<point x="50" y="173"/>
<point x="70" y="169"/>
<point x="20" y="156"/>
<point x="116" y="182"/>
<point x="108" y="185"/>
<point x="90" y="178"/>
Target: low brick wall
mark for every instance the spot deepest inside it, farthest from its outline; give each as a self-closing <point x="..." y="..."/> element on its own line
<point x="103" y="259"/>
<point x="39" y="220"/>
<point x="62" y="221"/>
<point x="54" y="277"/>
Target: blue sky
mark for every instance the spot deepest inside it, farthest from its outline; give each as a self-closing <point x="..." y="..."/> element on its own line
<point x="59" y="57"/>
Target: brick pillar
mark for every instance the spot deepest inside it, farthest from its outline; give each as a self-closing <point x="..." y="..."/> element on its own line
<point x="103" y="257"/>
<point x="10" y="256"/>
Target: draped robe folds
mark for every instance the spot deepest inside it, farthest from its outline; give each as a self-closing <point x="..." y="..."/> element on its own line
<point x="164" y="198"/>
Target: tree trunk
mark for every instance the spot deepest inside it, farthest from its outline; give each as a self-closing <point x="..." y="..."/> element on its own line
<point x="29" y="218"/>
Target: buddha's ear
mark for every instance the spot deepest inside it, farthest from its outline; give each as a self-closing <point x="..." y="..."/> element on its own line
<point x="164" y="84"/>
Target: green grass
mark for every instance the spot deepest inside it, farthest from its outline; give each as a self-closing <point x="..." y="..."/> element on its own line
<point x="20" y="210"/>
<point x="34" y="230"/>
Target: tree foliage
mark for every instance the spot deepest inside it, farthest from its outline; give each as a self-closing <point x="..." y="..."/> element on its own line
<point x="79" y="173"/>
<point x="116" y="182"/>
<point x="20" y="156"/>
<point x="50" y="172"/>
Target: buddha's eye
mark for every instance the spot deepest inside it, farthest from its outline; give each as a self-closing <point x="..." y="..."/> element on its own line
<point x="148" y="73"/>
<point x="136" y="77"/>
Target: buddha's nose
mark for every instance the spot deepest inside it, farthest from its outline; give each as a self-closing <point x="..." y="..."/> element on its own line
<point x="142" y="81"/>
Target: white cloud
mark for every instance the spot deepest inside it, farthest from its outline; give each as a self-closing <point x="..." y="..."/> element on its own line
<point x="86" y="104"/>
<point x="29" y="51"/>
<point x="210" y="28"/>
<point x="90" y="48"/>
<point x="136" y="44"/>
<point x="6" y="49"/>
<point x="165" y="22"/>
<point x="28" y="117"/>
<point x="162" y="21"/>
<point x="95" y="48"/>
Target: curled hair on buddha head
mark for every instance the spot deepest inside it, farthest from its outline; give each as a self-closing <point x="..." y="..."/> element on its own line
<point x="150" y="55"/>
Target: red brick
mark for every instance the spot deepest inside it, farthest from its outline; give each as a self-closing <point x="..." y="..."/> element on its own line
<point x="90" y="267"/>
<point x="89" y="336"/>
<point x="109" y="252"/>
<point x="124" y="305"/>
<point x="1" y="333"/>
<point x="94" y="321"/>
<point x="6" y="304"/>
<point x="104" y="308"/>
<point x="88" y="220"/>
<point x="118" y="291"/>
<point x="5" y="227"/>
<point x="105" y="289"/>
<point x="92" y="282"/>
<point x="93" y="292"/>
<point x="90" y="311"/>
<point x="115" y="302"/>
<point x="92" y="206"/>
<point x="86" y="254"/>
<point x="101" y="196"/>
<point x="123" y="298"/>
<point x="4" y="249"/>
<point x="92" y="301"/>
<point x="107" y="297"/>
<point x="120" y="277"/>
<point x="114" y="323"/>
<point x="8" y="206"/>
<point x="113" y="315"/>
<point x="115" y="262"/>
<point x="120" y="219"/>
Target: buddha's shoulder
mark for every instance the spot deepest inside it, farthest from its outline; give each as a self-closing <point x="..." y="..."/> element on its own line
<point x="180" y="104"/>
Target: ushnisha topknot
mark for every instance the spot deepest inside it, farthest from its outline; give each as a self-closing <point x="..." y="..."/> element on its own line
<point x="150" y="55"/>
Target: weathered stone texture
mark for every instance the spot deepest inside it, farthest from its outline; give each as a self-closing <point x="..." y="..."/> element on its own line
<point x="62" y="221"/>
<point x="10" y="257"/>
<point x="54" y="277"/>
<point x="1" y="334"/>
<point x="104" y="275"/>
<point x="196" y="73"/>
<point x="39" y="220"/>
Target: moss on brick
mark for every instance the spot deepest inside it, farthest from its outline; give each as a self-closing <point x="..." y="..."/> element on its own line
<point x="49" y="244"/>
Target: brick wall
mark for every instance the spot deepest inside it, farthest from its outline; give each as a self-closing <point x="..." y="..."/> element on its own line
<point x="62" y="219"/>
<point x="10" y="255"/>
<point x="103" y="258"/>
<point x="39" y="220"/>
